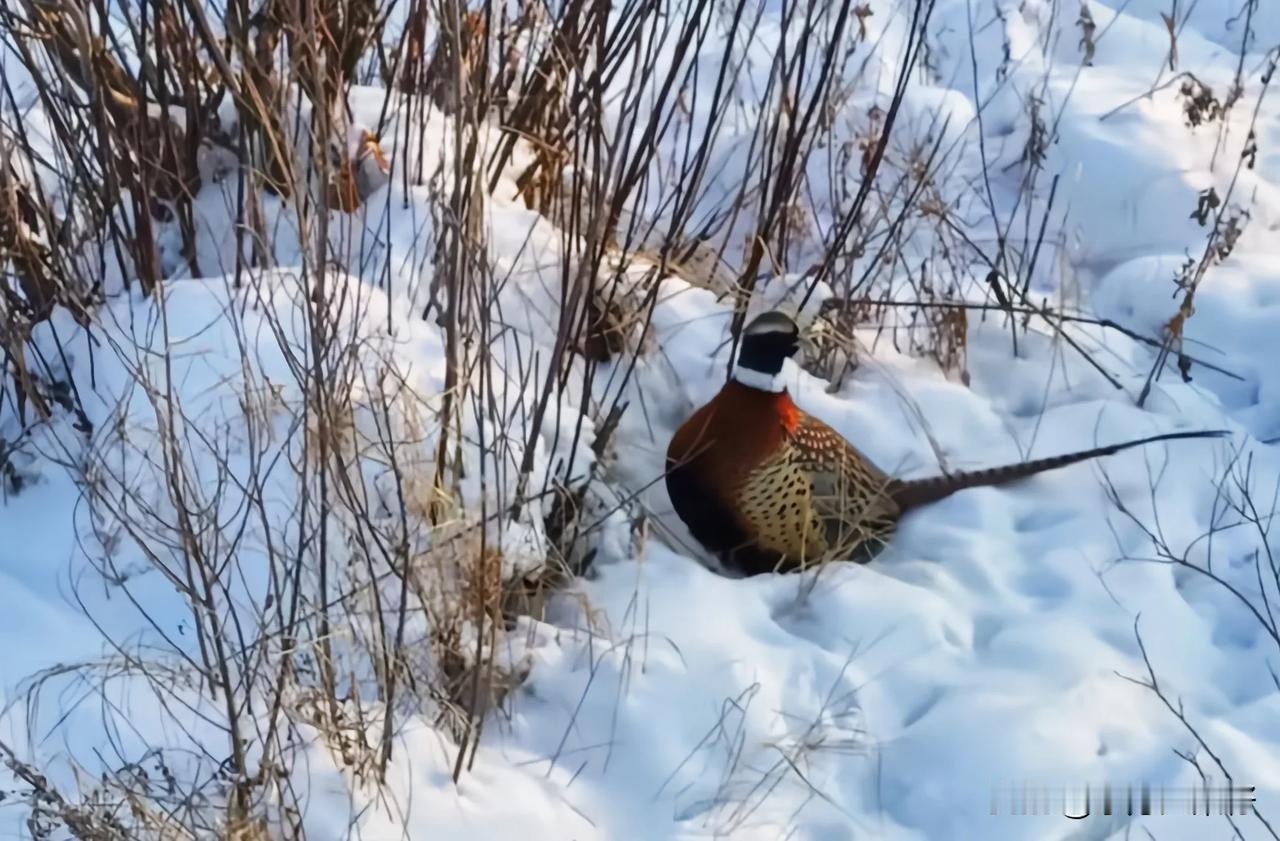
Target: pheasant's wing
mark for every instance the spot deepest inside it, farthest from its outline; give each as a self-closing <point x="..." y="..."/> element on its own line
<point x="776" y="506"/>
<point x="849" y="493"/>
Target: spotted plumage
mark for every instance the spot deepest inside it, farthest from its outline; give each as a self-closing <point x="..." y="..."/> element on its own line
<point x="767" y="487"/>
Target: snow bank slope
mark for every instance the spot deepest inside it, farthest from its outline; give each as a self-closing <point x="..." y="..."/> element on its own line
<point x="991" y="644"/>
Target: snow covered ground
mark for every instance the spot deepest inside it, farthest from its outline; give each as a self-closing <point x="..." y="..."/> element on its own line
<point x="991" y="644"/>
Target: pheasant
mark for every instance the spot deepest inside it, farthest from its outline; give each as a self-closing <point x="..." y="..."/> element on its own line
<point x="766" y="487"/>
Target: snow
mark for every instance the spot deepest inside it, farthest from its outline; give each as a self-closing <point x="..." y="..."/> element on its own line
<point x="990" y="644"/>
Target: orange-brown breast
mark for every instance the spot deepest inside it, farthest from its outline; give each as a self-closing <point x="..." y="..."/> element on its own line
<point x="710" y="458"/>
<point x="735" y="432"/>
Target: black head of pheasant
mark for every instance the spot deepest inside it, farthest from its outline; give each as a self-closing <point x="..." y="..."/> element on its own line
<point x="764" y="486"/>
<point x="766" y="343"/>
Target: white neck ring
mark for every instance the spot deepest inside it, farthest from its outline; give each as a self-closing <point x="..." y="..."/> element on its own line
<point x="759" y="379"/>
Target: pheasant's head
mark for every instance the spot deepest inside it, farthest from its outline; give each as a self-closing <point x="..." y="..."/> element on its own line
<point x="766" y="343"/>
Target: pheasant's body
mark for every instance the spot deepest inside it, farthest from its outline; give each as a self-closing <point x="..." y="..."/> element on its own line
<point x="766" y="486"/>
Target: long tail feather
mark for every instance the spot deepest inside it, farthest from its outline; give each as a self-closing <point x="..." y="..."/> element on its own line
<point x="915" y="492"/>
